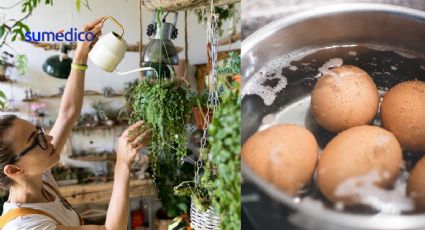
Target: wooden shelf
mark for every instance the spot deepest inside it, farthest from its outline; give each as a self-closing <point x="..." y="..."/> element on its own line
<point x="7" y="80"/>
<point x="86" y="93"/>
<point x="104" y="157"/>
<point x="101" y="192"/>
<point x="84" y="128"/>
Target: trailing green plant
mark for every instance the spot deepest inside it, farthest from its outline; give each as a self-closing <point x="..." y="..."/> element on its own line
<point x="224" y="138"/>
<point x="201" y="192"/>
<point x="173" y="205"/>
<point x="224" y="13"/>
<point x="164" y="105"/>
<point x="219" y="181"/>
<point x="232" y="66"/>
<point x="3" y="100"/>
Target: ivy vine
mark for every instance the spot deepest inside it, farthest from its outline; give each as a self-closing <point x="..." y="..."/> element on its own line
<point x="224" y="13"/>
<point x="165" y="106"/>
<point x="224" y="138"/>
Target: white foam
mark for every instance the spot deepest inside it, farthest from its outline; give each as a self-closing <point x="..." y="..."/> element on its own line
<point x="339" y="206"/>
<point x="312" y="203"/>
<point x="269" y="118"/>
<point x="267" y="93"/>
<point x="293" y="68"/>
<point x="402" y="53"/>
<point x="363" y="187"/>
<point x="334" y="62"/>
<point x="325" y="69"/>
<point x="271" y="71"/>
<point x="352" y="53"/>
<point x="394" y="68"/>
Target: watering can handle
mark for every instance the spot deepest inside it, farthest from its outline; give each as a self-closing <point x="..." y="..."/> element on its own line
<point x="116" y="23"/>
<point x="175" y="18"/>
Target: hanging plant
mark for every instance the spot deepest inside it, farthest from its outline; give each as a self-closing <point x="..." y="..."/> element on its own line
<point x="225" y="12"/>
<point x="224" y="138"/>
<point x="164" y="105"/>
<point x="219" y="181"/>
<point x="232" y="66"/>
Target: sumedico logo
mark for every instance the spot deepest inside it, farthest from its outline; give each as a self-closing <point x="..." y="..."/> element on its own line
<point x="72" y="35"/>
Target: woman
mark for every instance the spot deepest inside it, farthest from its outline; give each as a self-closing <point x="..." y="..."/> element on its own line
<point x="27" y="154"/>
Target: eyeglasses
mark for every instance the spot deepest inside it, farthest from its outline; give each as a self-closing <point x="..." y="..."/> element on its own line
<point x="39" y="139"/>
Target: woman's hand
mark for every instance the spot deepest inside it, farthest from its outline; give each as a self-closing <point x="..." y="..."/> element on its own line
<point x="84" y="47"/>
<point x="131" y="141"/>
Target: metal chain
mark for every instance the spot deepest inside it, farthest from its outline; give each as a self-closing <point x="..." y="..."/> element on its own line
<point x="213" y="92"/>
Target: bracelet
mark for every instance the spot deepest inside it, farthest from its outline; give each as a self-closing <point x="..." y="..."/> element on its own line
<point x="81" y="67"/>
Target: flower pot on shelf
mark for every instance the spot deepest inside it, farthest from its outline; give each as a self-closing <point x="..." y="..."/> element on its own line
<point x="237" y="78"/>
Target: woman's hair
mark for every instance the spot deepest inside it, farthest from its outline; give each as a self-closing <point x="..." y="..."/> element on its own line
<point x="6" y="153"/>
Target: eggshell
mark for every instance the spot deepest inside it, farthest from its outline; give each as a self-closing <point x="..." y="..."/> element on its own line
<point x="356" y="152"/>
<point x="403" y="113"/>
<point x="284" y="155"/>
<point x="416" y="184"/>
<point x="344" y="97"/>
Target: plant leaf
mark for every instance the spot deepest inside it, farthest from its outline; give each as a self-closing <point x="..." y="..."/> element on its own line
<point x="78" y="5"/>
<point x="22" y="65"/>
<point x="2" y="30"/>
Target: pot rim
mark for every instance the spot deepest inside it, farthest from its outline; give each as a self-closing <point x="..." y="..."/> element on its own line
<point x="255" y="38"/>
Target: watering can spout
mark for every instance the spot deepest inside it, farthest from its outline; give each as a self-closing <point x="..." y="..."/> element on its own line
<point x="138" y="70"/>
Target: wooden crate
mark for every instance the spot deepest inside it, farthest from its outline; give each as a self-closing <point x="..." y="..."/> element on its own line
<point x="101" y="192"/>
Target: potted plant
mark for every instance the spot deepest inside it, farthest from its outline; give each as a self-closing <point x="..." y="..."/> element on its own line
<point x="200" y="109"/>
<point x="224" y="138"/>
<point x="232" y="67"/>
<point x="165" y="106"/>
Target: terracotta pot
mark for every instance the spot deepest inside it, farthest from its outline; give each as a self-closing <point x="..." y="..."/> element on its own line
<point x="237" y="78"/>
<point x="199" y="116"/>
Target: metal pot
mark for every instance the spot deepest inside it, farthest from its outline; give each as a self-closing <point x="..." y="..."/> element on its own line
<point x="348" y="25"/>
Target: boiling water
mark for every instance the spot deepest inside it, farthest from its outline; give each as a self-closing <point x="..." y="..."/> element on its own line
<point x="289" y="82"/>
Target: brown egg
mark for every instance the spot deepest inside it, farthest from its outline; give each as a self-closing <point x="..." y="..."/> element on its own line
<point x="403" y="113"/>
<point x="284" y="155"/>
<point x="354" y="153"/>
<point x="416" y="184"/>
<point x="344" y="97"/>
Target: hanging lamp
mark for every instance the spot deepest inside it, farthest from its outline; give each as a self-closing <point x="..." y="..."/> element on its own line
<point x="160" y="53"/>
<point x="58" y="66"/>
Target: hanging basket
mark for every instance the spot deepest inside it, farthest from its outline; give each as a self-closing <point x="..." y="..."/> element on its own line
<point x="180" y="5"/>
<point x="206" y="220"/>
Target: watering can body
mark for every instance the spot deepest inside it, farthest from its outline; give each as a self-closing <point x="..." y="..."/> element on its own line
<point x="108" y="52"/>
